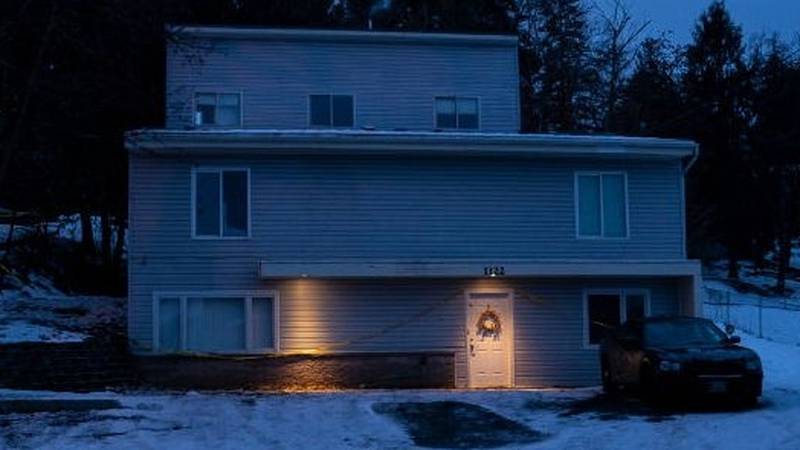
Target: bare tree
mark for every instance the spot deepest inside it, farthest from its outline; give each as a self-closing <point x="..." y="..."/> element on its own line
<point x="618" y="32"/>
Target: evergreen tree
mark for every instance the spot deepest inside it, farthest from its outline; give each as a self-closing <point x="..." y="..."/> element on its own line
<point x="718" y="94"/>
<point x="774" y="135"/>
<point x="476" y="16"/>
<point x="556" y="65"/>
<point x="651" y="102"/>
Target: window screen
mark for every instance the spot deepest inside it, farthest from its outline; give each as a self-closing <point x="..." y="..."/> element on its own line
<point x="263" y="323"/>
<point x="215" y="324"/>
<point x="445" y="113"/>
<point x="457" y="112"/>
<point x="212" y="109"/>
<point x="589" y="205"/>
<point x="321" y="110"/>
<point x="331" y="111"/>
<point x="221" y="203"/>
<point x="467" y="109"/>
<point x="603" y="315"/>
<point x="228" y="110"/>
<point x="342" y="110"/>
<point x="207" y="206"/>
<point x="614" y="206"/>
<point x="206" y="109"/>
<point x="634" y="306"/>
<point x="234" y="191"/>
<point x="169" y="324"/>
<point x="602" y="205"/>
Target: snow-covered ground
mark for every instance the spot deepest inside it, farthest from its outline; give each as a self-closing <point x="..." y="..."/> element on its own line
<point x="34" y="311"/>
<point x="347" y="419"/>
<point x="776" y="319"/>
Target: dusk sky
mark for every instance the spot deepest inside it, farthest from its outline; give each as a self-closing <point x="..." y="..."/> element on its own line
<point x="755" y="16"/>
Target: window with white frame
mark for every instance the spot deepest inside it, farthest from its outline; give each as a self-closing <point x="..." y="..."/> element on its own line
<point x="457" y="113"/>
<point x="337" y="111"/>
<point x="602" y="205"/>
<point x="221" y="202"/>
<point x="217" y="110"/>
<point x="228" y="322"/>
<point x="605" y="310"/>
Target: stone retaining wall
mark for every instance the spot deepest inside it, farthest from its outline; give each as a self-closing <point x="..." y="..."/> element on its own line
<point x="81" y="366"/>
<point x="300" y="372"/>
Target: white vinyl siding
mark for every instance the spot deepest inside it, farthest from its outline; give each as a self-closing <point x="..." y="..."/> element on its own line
<point x="601" y="205"/>
<point x="216" y="322"/>
<point x="220" y="203"/>
<point x="604" y="310"/>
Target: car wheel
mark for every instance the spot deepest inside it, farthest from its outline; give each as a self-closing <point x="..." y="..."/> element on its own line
<point x="749" y="401"/>
<point x="609" y="387"/>
<point x="647" y="385"/>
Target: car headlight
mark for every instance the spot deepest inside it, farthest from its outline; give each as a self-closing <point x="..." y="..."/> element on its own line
<point x="753" y="365"/>
<point x="669" y="366"/>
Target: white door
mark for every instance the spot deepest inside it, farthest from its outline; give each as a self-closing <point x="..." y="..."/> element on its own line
<point x="490" y="338"/>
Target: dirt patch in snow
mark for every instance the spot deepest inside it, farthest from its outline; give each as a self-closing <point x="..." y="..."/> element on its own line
<point x="624" y="407"/>
<point x="451" y="424"/>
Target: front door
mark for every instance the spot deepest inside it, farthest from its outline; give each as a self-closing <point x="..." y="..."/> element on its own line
<point x="490" y="337"/>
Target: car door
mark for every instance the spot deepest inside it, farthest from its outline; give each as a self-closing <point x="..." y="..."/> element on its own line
<point x="615" y="355"/>
<point x="631" y="352"/>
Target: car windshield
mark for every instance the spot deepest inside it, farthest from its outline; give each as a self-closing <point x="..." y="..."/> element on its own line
<point x="682" y="333"/>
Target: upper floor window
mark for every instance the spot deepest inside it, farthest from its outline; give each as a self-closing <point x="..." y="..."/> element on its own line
<point x="331" y="111"/>
<point x="221" y="200"/>
<point x="218" y="110"/>
<point x="457" y="113"/>
<point x="602" y="205"/>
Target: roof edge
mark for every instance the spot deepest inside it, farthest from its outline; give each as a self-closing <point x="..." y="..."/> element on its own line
<point x="389" y="143"/>
<point x="338" y="35"/>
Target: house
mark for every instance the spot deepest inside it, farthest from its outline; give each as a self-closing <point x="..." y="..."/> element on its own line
<point x="369" y="195"/>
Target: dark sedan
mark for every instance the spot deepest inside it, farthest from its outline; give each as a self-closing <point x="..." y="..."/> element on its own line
<point x="683" y="355"/>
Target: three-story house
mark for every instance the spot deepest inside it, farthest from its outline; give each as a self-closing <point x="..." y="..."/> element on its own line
<point x="369" y="195"/>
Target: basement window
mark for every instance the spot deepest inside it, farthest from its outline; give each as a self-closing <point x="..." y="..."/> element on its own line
<point x="224" y="322"/>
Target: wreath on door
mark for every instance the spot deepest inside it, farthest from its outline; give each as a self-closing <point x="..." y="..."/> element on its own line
<point x="489" y="324"/>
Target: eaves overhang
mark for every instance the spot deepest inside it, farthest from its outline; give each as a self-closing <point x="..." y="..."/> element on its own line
<point x="388" y="143"/>
<point x="475" y="268"/>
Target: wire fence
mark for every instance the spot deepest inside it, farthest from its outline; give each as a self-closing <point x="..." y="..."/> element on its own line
<point x="776" y="319"/>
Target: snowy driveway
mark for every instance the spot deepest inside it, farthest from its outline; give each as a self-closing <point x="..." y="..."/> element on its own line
<point x="565" y="419"/>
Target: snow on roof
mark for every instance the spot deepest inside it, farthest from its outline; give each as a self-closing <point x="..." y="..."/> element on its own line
<point x="351" y="141"/>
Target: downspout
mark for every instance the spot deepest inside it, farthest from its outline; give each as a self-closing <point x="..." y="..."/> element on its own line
<point x="695" y="281"/>
<point x="693" y="159"/>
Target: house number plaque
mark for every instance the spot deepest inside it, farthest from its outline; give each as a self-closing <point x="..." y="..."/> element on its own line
<point x="494" y="271"/>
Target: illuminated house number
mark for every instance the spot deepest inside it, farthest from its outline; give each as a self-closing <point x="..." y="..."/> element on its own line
<point x="494" y="271"/>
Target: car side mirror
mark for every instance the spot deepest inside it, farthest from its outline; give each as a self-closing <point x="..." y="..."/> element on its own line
<point x="734" y="340"/>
